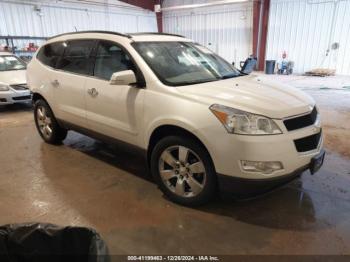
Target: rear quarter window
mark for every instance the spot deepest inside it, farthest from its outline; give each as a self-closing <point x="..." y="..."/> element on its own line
<point x="51" y="53"/>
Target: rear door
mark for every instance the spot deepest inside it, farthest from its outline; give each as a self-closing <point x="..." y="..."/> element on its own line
<point x="39" y="76"/>
<point x="68" y="81"/>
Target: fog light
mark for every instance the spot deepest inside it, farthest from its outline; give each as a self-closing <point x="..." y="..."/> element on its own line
<point x="262" y="167"/>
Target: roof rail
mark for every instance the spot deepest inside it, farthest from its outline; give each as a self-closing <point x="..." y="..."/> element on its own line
<point x="92" y="31"/>
<point x="153" y="33"/>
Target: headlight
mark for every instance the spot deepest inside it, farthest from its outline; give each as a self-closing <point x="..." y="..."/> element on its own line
<point x="4" y="87"/>
<point x="244" y="123"/>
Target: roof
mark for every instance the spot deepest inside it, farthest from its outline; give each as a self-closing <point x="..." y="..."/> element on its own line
<point x="153" y="33"/>
<point x="141" y="36"/>
<point x="152" y="36"/>
<point x="90" y="32"/>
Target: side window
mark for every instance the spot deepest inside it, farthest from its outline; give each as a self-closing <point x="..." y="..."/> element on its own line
<point x="50" y="54"/>
<point x="110" y="58"/>
<point x="76" y="58"/>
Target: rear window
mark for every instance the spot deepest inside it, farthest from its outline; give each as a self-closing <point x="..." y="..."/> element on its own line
<point x="76" y="58"/>
<point x="50" y="54"/>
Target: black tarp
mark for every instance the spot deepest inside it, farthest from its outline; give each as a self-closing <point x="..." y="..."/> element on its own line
<point x="47" y="242"/>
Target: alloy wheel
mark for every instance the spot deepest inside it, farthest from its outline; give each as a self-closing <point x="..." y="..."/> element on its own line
<point x="44" y="122"/>
<point x="182" y="171"/>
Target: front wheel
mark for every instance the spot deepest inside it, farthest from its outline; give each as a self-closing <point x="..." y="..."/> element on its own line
<point x="46" y="123"/>
<point x="183" y="170"/>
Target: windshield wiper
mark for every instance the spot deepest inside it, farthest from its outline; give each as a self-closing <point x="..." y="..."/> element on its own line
<point x="230" y="76"/>
<point x="196" y="82"/>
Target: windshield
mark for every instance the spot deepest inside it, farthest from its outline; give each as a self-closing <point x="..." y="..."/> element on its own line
<point x="183" y="63"/>
<point x="10" y="62"/>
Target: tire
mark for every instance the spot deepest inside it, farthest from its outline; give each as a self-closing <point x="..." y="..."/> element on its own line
<point x="179" y="176"/>
<point x="45" y="121"/>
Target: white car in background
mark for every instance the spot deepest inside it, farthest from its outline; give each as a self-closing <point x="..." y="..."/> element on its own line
<point x="13" y="83"/>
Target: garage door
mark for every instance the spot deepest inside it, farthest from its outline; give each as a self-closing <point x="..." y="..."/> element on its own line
<point x="306" y="29"/>
<point x="226" y="29"/>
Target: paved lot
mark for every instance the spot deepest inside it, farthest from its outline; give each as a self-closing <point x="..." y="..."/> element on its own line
<point x="85" y="182"/>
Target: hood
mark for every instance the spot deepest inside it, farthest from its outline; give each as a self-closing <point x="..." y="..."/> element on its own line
<point x="13" y="77"/>
<point x="254" y="94"/>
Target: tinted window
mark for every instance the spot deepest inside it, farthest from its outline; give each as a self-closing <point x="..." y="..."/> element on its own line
<point x="110" y="58"/>
<point x="49" y="54"/>
<point x="76" y="58"/>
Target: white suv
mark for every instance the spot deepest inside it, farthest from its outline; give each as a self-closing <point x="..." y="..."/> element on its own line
<point x="203" y="124"/>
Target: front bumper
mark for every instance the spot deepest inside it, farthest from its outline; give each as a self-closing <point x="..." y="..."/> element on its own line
<point x="12" y="97"/>
<point x="245" y="188"/>
<point x="228" y="150"/>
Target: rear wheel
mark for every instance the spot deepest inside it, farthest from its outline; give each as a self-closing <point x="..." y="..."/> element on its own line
<point x="46" y="123"/>
<point x="183" y="170"/>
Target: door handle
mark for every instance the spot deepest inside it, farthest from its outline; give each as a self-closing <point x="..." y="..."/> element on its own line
<point x="92" y="92"/>
<point x="55" y="83"/>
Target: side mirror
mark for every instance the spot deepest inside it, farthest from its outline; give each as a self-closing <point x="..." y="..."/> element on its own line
<point x="233" y="63"/>
<point x="126" y="77"/>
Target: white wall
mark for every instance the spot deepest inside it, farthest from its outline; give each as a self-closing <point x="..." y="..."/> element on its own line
<point x="55" y="18"/>
<point x="228" y="28"/>
<point x="304" y="29"/>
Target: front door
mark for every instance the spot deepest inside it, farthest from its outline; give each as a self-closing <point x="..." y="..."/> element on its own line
<point x="113" y="110"/>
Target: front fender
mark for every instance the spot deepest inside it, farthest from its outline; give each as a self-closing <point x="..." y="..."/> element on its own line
<point x="180" y="122"/>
